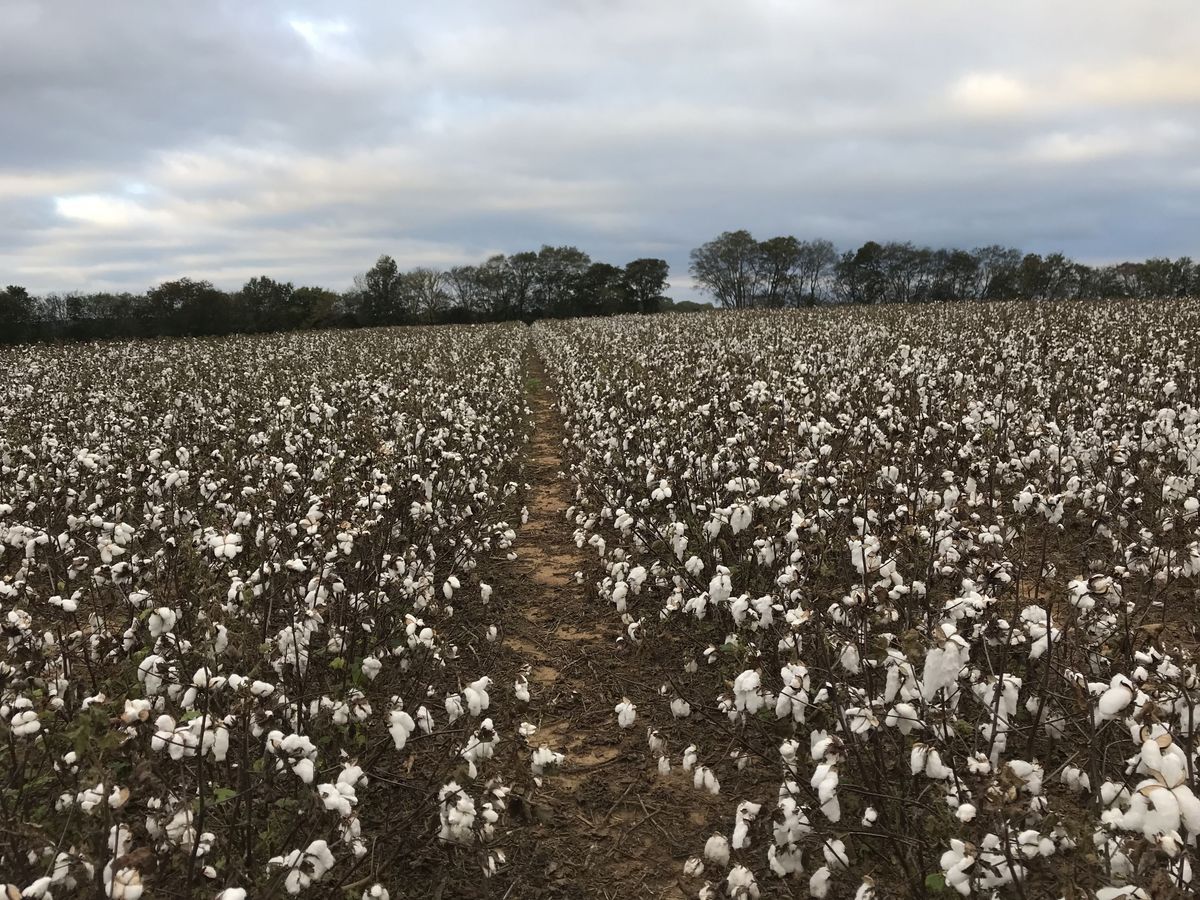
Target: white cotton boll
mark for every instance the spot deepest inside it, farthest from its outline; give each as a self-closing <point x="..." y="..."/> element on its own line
<point x="955" y="864"/>
<point x="716" y="850"/>
<point x="690" y="755"/>
<point x="304" y="770"/>
<point x="371" y="667"/>
<point x="126" y="884"/>
<point x="400" y="726"/>
<point x="694" y="867"/>
<point x="485" y="593"/>
<point x="703" y="778"/>
<point x="720" y="588"/>
<point x="162" y="621"/>
<point x="934" y="768"/>
<point x="680" y="708"/>
<point x="232" y="894"/>
<point x="741" y="885"/>
<point x="492" y="634"/>
<point x="1118" y="696"/>
<point x="476" y="695"/>
<point x="746" y="695"/>
<point x="664" y="766"/>
<point x="376" y="892"/>
<point x="521" y="689"/>
<point x="746" y="813"/>
<point x="626" y="713"/>
<point x="965" y="812"/>
<point x="818" y="884"/>
<point x="786" y="860"/>
<point x="544" y="758"/>
<point x="904" y="717"/>
<point x="850" y="660"/>
<point x="835" y="855"/>
<point x="25" y="723"/>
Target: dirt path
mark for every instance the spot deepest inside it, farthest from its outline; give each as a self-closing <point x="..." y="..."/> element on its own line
<point x="604" y="824"/>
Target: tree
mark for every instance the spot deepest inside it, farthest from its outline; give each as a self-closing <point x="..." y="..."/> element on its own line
<point x="999" y="269"/>
<point x="269" y="304"/>
<point x="317" y="307"/>
<point x="186" y="306"/>
<point x="779" y="262"/>
<point x="382" y="294"/>
<point x="860" y="274"/>
<point x="556" y="285"/>
<point x="728" y="268"/>
<point x="520" y="277"/>
<point x="16" y="314"/>
<point x="604" y="291"/>
<point x="468" y="290"/>
<point x="645" y="284"/>
<point x="426" y="290"/>
<point x="817" y="259"/>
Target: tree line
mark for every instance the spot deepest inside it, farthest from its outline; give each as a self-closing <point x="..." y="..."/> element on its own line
<point x="551" y="282"/>
<point x="741" y="272"/>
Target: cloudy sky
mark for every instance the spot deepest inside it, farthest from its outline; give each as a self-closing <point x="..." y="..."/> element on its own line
<point x="154" y="139"/>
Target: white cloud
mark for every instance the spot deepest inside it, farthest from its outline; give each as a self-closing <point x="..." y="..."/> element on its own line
<point x="105" y="210"/>
<point x="990" y="94"/>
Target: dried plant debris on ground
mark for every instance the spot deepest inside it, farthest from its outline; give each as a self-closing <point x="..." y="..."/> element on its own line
<point x="866" y="603"/>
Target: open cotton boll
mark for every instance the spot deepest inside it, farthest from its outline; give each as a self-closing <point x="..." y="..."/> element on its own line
<point x="476" y="695"/>
<point x="400" y="726"/>
<point x="1114" y="700"/>
<point x="521" y="689"/>
<point x="544" y="758"/>
<point x="716" y="850"/>
<point x="690" y="755"/>
<point x="626" y="713"/>
<point x="818" y="883"/>
<point x="745" y="815"/>
<point x="740" y="884"/>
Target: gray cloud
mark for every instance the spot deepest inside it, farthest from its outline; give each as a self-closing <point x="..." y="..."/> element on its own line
<point x="158" y="138"/>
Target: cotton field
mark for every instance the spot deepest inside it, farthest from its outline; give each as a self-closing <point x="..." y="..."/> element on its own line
<point x="916" y="587"/>
<point x="888" y="602"/>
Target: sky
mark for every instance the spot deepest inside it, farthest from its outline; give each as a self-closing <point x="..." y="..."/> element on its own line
<point x="153" y="139"/>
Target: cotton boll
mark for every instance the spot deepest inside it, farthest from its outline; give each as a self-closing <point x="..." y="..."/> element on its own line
<point x="1118" y="696"/>
<point x="400" y="726"/>
<point x="690" y="756"/>
<point x="745" y="815"/>
<point x="476" y="695"/>
<point x="521" y="689"/>
<point x="543" y="759"/>
<point x="818" y="884"/>
<point x="626" y="713"/>
<point x="716" y="850"/>
<point x="834" y="851"/>
<point x="694" y="867"/>
<point x="741" y="885"/>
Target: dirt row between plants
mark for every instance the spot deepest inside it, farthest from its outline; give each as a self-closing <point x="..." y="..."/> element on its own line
<point x="604" y="824"/>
